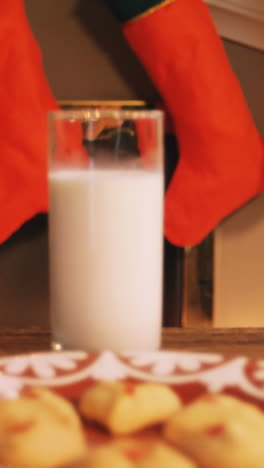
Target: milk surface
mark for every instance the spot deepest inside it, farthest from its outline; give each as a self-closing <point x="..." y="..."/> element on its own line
<point x="106" y="258"/>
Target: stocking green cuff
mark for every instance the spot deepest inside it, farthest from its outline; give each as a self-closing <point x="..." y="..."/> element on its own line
<point x="126" y="10"/>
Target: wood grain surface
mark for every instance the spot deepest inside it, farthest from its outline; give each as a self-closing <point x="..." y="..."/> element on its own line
<point x="245" y="341"/>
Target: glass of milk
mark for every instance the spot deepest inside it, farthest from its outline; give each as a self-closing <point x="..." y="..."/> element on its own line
<point x="106" y="188"/>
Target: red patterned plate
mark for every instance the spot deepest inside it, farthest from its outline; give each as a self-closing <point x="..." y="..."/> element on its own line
<point x="191" y="374"/>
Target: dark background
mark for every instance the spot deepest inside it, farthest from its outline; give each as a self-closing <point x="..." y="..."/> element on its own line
<point x="85" y="57"/>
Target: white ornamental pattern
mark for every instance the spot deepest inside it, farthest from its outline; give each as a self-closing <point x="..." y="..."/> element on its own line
<point x="259" y="373"/>
<point x="175" y="368"/>
<point x="10" y="387"/>
<point x="165" y="363"/>
<point x="44" y="365"/>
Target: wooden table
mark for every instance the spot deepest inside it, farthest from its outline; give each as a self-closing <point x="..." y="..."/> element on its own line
<point x="245" y="341"/>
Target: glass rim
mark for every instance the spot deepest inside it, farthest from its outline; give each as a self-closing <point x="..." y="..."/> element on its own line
<point x="95" y="113"/>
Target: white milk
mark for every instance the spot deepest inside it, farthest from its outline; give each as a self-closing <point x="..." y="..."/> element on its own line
<point x="106" y="258"/>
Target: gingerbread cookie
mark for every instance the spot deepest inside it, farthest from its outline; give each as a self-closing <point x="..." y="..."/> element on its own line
<point x="124" y="407"/>
<point x="219" y="432"/>
<point x="40" y="429"/>
<point x="136" y="453"/>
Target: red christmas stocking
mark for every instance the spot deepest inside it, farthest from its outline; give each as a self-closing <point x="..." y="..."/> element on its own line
<point x="25" y="99"/>
<point x="221" y="152"/>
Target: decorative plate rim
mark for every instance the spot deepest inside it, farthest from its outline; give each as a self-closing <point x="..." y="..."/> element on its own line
<point x="62" y="369"/>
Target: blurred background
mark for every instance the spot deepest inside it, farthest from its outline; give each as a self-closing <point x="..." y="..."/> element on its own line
<point x="86" y="57"/>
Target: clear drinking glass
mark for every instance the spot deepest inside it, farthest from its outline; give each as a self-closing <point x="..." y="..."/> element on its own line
<point x="106" y="186"/>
